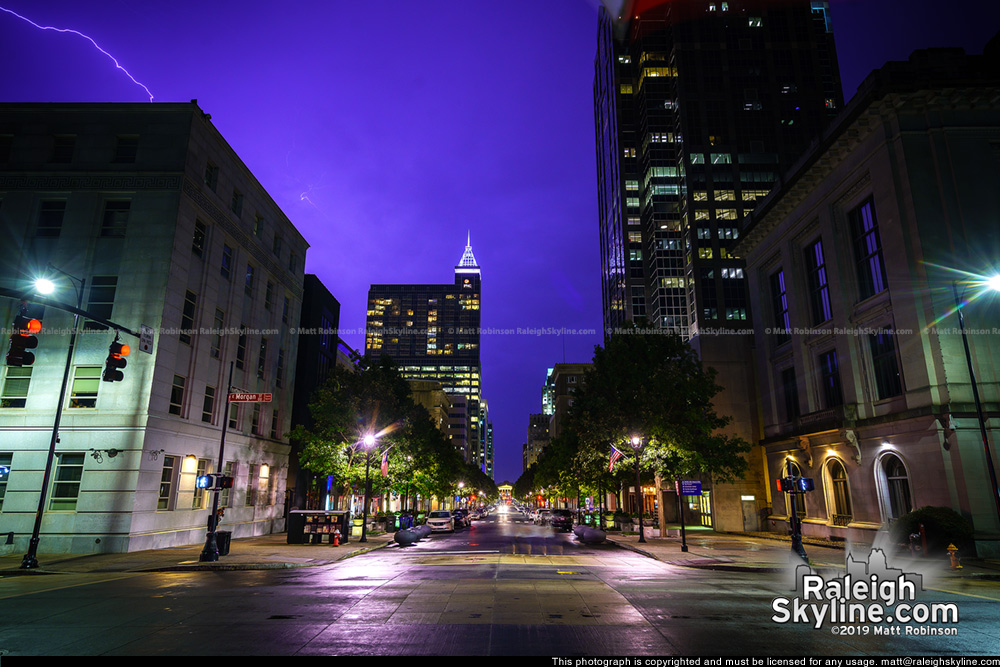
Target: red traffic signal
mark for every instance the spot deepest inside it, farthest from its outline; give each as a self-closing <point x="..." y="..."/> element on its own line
<point x="117" y="352"/>
<point x="796" y="484"/>
<point x="23" y="339"/>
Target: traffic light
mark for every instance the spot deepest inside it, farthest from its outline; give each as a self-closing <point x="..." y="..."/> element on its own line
<point x="22" y="339"/>
<point x="214" y="481"/>
<point x="796" y="484"/>
<point x="117" y="352"/>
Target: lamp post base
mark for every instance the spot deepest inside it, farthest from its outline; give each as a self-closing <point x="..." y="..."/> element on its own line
<point x="30" y="560"/>
<point x="210" y="553"/>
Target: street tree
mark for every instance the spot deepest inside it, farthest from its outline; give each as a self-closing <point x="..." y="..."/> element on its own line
<point x="373" y="399"/>
<point x="653" y="386"/>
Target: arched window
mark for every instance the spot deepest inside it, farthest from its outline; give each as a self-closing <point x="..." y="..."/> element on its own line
<point x="840" y="493"/>
<point x="897" y="486"/>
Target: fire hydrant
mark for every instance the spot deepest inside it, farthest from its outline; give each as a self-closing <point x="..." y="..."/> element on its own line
<point x="336" y="537"/>
<point x="956" y="563"/>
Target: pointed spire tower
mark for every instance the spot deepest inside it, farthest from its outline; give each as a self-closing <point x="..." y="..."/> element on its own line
<point x="467" y="273"/>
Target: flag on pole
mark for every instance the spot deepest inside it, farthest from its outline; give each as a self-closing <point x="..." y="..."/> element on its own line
<point x="615" y="455"/>
<point x="385" y="463"/>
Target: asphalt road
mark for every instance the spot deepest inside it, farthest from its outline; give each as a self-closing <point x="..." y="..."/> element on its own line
<point x="502" y="588"/>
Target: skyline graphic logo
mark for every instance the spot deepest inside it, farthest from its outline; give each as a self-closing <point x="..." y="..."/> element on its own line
<point x="871" y="598"/>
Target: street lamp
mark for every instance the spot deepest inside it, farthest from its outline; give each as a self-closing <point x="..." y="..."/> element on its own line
<point x="368" y="443"/>
<point x="45" y="286"/>
<point x="993" y="284"/>
<point x="638" y="444"/>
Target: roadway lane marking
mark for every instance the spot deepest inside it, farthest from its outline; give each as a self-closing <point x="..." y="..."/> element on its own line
<point x="65" y="586"/>
<point x="971" y="595"/>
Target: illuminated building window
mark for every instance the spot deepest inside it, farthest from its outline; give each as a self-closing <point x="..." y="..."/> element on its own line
<point x="819" y="290"/>
<point x="198" y="501"/>
<point x="6" y="458"/>
<point x="83" y="392"/>
<point x="867" y="249"/>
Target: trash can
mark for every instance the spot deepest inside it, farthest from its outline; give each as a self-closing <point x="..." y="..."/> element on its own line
<point x="222" y="540"/>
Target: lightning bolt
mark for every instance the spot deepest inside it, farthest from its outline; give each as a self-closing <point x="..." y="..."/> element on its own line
<point x="80" y="34"/>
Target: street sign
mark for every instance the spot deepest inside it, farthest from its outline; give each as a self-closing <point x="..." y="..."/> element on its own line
<point x="250" y="398"/>
<point x="689" y="487"/>
<point x="146" y="339"/>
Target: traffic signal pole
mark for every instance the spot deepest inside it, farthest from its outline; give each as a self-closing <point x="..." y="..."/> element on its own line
<point x="30" y="560"/>
<point x="210" y="553"/>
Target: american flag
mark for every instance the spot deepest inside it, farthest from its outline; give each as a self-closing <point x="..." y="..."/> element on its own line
<point x="615" y="455"/>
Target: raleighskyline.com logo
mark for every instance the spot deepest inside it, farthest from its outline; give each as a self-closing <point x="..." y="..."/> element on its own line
<point x="870" y="599"/>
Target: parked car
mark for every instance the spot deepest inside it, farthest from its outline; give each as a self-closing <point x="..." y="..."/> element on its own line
<point x="441" y="521"/>
<point x="462" y="519"/>
<point x="560" y="519"/>
<point x="541" y="516"/>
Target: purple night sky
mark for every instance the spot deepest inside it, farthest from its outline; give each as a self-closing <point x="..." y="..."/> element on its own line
<point x="387" y="131"/>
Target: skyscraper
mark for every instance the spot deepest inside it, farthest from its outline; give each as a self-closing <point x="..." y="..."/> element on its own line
<point x="700" y="106"/>
<point x="432" y="333"/>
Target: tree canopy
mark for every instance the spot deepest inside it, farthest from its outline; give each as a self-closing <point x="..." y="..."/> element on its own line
<point x="646" y="385"/>
<point x="375" y="399"/>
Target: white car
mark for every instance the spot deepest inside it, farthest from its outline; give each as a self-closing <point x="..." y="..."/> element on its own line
<point x="541" y="516"/>
<point x="441" y="521"/>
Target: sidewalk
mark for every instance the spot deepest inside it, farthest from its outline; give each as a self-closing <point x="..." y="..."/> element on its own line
<point x="771" y="552"/>
<point x="266" y="552"/>
<point x="706" y="549"/>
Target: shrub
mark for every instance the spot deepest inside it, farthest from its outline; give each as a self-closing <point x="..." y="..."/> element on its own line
<point x="942" y="526"/>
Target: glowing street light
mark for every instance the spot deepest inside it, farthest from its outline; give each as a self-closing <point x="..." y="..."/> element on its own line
<point x="368" y="442"/>
<point x="638" y="444"/>
<point x="45" y="286"/>
<point x="30" y="559"/>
